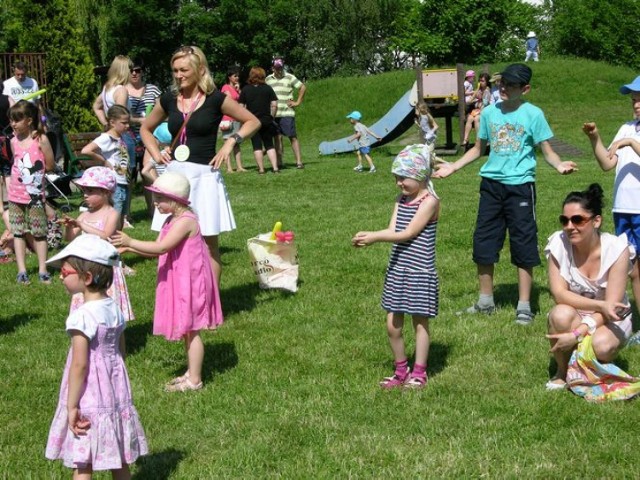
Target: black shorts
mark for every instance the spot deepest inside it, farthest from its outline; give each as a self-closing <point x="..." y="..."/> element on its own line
<point x="263" y="139"/>
<point x="506" y="207"/>
<point x="287" y="126"/>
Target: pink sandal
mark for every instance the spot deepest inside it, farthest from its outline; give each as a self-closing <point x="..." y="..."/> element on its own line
<point x="394" y="381"/>
<point x="415" y="382"/>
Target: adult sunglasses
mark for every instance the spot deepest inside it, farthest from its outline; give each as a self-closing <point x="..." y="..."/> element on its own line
<point x="576" y="220"/>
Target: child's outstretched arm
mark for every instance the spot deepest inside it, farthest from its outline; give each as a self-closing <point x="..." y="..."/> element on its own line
<point x="375" y="135"/>
<point x="181" y="229"/>
<point x="77" y="376"/>
<point x="427" y="210"/>
<point x="445" y="169"/>
<point x="607" y="160"/>
<point x="552" y="158"/>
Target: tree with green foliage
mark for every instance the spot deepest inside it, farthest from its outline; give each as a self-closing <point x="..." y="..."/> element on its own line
<point x="71" y="84"/>
<point x="596" y="30"/>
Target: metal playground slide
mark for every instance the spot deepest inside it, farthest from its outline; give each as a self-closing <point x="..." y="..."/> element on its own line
<point x="394" y="123"/>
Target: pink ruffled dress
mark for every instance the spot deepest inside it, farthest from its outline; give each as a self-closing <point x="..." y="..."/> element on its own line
<point x="115" y="436"/>
<point x="187" y="296"/>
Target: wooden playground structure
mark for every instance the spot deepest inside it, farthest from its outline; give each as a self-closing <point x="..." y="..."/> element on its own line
<point x="442" y="90"/>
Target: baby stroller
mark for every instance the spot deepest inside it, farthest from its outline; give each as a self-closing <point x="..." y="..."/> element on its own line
<point x="57" y="188"/>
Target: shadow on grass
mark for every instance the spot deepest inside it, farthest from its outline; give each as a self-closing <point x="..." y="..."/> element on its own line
<point x="136" y="335"/>
<point x="218" y="358"/>
<point x="158" y="466"/>
<point x="506" y="294"/>
<point x="242" y="298"/>
<point x="9" y="325"/>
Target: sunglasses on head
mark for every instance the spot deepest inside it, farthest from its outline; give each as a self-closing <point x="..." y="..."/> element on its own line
<point x="136" y="70"/>
<point x="576" y="220"/>
<point x="185" y="49"/>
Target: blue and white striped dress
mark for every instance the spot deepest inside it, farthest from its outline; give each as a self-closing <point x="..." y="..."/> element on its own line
<point x="411" y="284"/>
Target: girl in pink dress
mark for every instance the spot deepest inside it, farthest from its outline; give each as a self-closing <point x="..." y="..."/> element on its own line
<point x="95" y="427"/>
<point x="187" y="298"/>
<point x="98" y="185"/>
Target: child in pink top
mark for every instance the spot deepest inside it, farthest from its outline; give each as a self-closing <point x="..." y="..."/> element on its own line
<point x="32" y="156"/>
<point x="187" y="298"/>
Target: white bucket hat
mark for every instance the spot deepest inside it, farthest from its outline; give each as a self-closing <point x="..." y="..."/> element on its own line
<point x="88" y="247"/>
<point x="172" y="185"/>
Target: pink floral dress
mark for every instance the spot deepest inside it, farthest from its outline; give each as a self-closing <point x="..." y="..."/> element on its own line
<point x="115" y="436"/>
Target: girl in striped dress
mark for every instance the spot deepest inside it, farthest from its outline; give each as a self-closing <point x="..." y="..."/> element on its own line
<point x="411" y="283"/>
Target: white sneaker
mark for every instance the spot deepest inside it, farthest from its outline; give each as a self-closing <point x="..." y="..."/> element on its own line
<point x="358" y="168"/>
<point x="372" y="170"/>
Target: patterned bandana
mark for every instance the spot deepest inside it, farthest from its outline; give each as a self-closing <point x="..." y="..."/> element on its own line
<point x="412" y="162"/>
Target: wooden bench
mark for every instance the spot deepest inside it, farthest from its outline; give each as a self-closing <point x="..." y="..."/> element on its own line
<point x="75" y="162"/>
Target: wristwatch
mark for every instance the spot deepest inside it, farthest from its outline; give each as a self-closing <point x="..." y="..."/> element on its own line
<point x="237" y="138"/>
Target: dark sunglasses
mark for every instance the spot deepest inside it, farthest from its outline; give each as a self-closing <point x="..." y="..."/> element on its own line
<point x="136" y="70"/>
<point x="510" y="84"/>
<point x="576" y="220"/>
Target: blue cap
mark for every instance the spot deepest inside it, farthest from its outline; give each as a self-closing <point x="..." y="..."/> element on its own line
<point x="631" y="87"/>
<point x="356" y="115"/>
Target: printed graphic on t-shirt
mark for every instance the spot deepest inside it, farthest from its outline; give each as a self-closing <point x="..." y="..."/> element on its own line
<point x="506" y="138"/>
<point x="31" y="175"/>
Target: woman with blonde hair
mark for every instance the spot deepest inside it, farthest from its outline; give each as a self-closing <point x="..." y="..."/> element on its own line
<point x="194" y="109"/>
<point x="114" y="91"/>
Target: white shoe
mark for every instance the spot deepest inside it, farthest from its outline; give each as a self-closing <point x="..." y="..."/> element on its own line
<point x="372" y="170"/>
<point x="358" y="168"/>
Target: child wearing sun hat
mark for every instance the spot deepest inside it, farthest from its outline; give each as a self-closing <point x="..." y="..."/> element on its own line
<point x="187" y="297"/>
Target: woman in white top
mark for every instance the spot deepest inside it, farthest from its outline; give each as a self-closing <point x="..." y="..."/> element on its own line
<point x="114" y="90"/>
<point x="588" y="272"/>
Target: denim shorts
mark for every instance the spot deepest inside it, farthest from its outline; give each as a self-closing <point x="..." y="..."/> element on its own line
<point x="287" y="126"/>
<point x="120" y="199"/>
<point x="364" y="150"/>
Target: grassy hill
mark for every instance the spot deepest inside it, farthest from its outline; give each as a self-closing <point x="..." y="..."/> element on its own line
<point x="291" y="379"/>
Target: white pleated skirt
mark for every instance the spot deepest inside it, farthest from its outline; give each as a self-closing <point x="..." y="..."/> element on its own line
<point x="209" y="199"/>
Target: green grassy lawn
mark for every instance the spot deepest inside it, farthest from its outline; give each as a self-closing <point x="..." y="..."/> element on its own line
<point x="291" y="380"/>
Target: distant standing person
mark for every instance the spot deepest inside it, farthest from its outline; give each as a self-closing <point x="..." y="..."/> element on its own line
<point x="114" y="90"/>
<point x="533" y="47"/>
<point x="284" y="85"/>
<point x="20" y="85"/>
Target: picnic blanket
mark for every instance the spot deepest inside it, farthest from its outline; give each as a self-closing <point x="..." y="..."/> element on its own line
<point x="598" y="382"/>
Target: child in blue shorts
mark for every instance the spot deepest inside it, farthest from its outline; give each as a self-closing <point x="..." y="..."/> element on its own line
<point x="362" y="136"/>
<point x="624" y="155"/>
<point x="513" y="128"/>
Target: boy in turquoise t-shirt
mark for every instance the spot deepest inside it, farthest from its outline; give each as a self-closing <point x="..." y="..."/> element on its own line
<point x="512" y="128"/>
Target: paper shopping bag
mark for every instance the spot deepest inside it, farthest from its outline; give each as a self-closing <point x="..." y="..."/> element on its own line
<point x="274" y="263"/>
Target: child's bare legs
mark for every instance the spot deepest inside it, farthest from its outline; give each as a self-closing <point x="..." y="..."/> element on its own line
<point x="467" y="129"/>
<point x="421" y="326"/>
<point x="20" y="247"/>
<point x="87" y="473"/>
<point x="195" y="356"/>
<point x="561" y="319"/>
<point x="237" y="153"/>
<point x="635" y="282"/>
<point x="395" y="324"/>
<point x="369" y="161"/>
<point x="359" y="158"/>
<point x="41" y="249"/>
